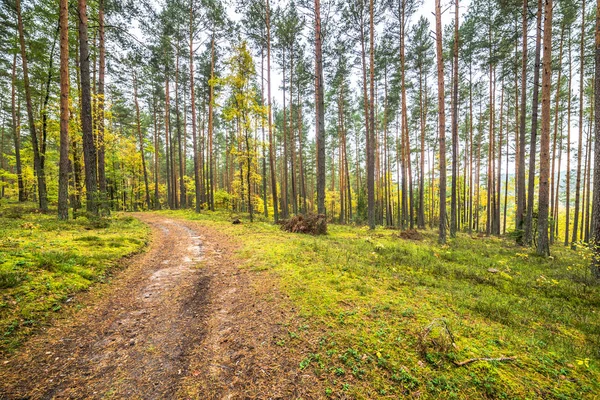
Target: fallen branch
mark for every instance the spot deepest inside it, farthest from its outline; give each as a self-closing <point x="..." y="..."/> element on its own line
<point x="470" y="360"/>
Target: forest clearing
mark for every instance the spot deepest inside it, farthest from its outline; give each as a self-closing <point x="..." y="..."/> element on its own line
<point x="298" y="199"/>
<point x="250" y="311"/>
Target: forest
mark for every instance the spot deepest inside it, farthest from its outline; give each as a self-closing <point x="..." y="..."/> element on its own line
<point x="160" y="158"/>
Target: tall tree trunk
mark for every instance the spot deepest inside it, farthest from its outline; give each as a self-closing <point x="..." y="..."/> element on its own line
<point x="543" y="247"/>
<point x="595" y="264"/>
<point x="63" y="166"/>
<point x="37" y="162"/>
<point x="499" y="172"/>
<point x="422" y="120"/>
<point x="197" y="181"/>
<point x="156" y="151"/>
<point x="271" y="143"/>
<point x="521" y="195"/>
<point x="568" y="179"/>
<point x="180" y="139"/>
<point x="442" y="120"/>
<point x="453" y="201"/>
<point x="292" y="142"/>
<point x="100" y="109"/>
<point x="17" y="131"/>
<point x="371" y="131"/>
<point x="141" y="139"/>
<point x="44" y="106"/>
<point x="2" y="149"/>
<point x="586" y="185"/>
<point x="470" y="148"/>
<point x="89" y="148"/>
<point x="528" y="237"/>
<point x="304" y="208"/>
<point x="285" y="193"/>
<point x="506" y="175"/>
<point x="263" y="145"/>
<point x="580" y="143"/>
<point x="167" y="136"/>
<point x="555" y="136"/>
<point x="211" y="160"/>
<point x="320" y="111"/>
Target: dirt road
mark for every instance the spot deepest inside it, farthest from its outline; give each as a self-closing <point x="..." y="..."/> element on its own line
<point x="181" y="321"/>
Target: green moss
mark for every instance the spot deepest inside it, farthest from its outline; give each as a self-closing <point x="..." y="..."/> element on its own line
<point x="44" y="261"/>
<point x="370" y="296"/>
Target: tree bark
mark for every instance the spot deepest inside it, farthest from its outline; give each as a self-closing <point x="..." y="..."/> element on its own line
<point x="197" y="181"/>
<point x="211" y="196"/>
<point x="63" y="166"/>
<point x="100" y="110"/>
<point x="141" y="139"/>
<point x="371" y="131"/>
<point x="521" y="195"/>
<point x="543" y="247"/>
<point x="37" y="162"/>
<point x="271" y="143"/>
<point x="442" y="121"/>
<point x="453" y="201"/>
<point x="528" y="234"/>
<point x="89" y="148"/>
<point x="320" y="111"/>
<point x="16" y="132"/>
<point x="574" y="237"/>
<point x="595" y="264"/>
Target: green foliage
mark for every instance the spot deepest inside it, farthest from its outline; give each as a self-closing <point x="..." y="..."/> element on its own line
<point x="371" y="296"/>
<point x="43" y="262"/>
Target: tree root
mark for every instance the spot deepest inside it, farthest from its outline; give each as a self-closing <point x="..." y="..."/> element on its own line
<point x="471" y="360"/>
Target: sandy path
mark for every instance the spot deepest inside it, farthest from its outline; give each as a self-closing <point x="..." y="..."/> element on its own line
<point x="182" y="321"/>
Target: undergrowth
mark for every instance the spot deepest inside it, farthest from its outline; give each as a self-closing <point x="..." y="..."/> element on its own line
<point x="370" y="298"/>
<point x="44" y="261"/>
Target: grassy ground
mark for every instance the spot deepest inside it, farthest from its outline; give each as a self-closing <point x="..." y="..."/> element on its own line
<point x="43" y="262"/>
<point x="385" y="312"/>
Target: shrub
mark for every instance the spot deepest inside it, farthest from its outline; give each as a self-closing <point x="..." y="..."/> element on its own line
<point x="313" y="224"/>
<point x="410" y="234"/>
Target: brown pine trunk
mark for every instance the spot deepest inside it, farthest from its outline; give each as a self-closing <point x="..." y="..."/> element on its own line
<point x="292" y="131"/>
<point x="37" y="162"/>
<point x="89" y="148"/>
<point x="442" y="121"/>
<point x="156" y="151"/>
<point x="63" y="166"/>
<point x="141" y="139"/>
<point x="320" y="111"/>
<point x="543" y="247"/>
<point x="180" y="138"/>
<point x="371" y="128"/>
<point x="534" y="126"/>
<point x="453" y="201"/>
<point x="285" y="182"/>
<point x="197" y="181"/>
<point x="304" y="208"/>
<point x="211" y="196"/>
<point x="580" y="143"/>
<point x="568" y="180"/>
<point x="263" y="147"/>
<point x="595" y="264"/>
<point x="17" y="131"/>
<point x="100" y="109"/>
<point x="521" y="195"/>
<point x="584" y="214"/>
<point x="470" y="148"/>
<point x="167" y="141"/>
<point x="271" y="142"/>
<point x="499" y="172"/>
<point x="552" y="179"/>
<point x="2" y="166"/>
